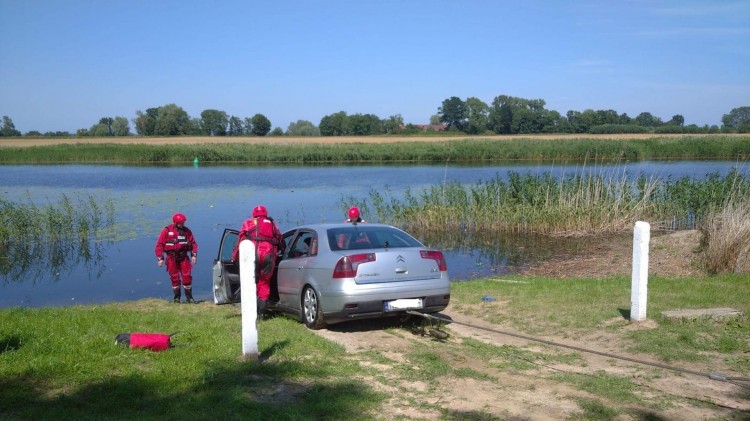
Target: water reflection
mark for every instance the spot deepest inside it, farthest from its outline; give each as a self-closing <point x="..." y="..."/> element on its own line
<point x="35" y="262"/>
<point x="47" y="242"/>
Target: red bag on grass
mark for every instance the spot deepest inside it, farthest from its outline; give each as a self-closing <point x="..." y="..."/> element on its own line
<point x="152" y="341"/>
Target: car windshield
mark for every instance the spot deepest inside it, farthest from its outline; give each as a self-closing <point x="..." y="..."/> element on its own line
<point x="364" y="237"/>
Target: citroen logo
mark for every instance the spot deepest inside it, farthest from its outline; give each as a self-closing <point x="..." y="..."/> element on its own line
<point x="401" y="259"/>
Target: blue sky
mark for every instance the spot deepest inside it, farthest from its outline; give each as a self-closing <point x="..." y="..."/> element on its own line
<point x="66" y="64"/>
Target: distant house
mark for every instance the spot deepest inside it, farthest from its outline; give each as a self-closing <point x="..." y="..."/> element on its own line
<point x="429" y="127"/>
<point x="433" y="127"/>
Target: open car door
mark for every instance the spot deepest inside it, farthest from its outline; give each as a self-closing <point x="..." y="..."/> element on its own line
<point x="225" y="272"/>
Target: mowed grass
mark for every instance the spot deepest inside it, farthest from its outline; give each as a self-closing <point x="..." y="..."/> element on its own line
<point x="63" y="362"/>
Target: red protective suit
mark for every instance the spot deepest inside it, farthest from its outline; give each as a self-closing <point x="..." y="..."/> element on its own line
<point x="176" y="242"/>
<point x="265" y="234"/>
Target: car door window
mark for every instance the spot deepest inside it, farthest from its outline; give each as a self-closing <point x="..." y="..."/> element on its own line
<point x="288" y="237"/>
<point x="368" y="236"/>
<point x="304" y="245"/>
<point x="228" y="241"/>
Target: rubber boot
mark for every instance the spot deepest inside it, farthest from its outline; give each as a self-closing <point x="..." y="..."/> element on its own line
<point x="189" y="296"/>
<point x="177" y="295"/>
<point x="262" y="309"/>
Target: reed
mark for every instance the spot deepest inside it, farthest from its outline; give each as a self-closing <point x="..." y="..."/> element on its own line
<point x="573" y="204"/>
<point x="78" y="217"/>
<point x="726" y="237"/>
<point x="277" y="151"/>
<point x="58" y="234"/>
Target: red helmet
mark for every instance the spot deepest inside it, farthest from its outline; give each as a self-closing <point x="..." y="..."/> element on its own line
<point x="179" y="218"/>
<point x="353" y="212"/>
<point x="260" y="211"/>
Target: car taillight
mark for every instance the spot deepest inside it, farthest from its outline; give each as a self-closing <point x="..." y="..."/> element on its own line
<point x="347" y="266"/>
<point x="437" y="256"/>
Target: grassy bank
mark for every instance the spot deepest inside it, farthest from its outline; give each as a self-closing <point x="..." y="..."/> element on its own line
<point x="62" y="362"/>
<point x="276" y="151"/>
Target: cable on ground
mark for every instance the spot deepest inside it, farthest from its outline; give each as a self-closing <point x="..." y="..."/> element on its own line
<point x="713" y="376"/>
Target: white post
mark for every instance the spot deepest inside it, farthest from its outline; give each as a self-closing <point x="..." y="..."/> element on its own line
<point x="249" y="303"/>
<point x="639" y="291"/>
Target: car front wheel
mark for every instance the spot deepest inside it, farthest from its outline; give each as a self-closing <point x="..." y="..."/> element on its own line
<point x="312" y="315"/>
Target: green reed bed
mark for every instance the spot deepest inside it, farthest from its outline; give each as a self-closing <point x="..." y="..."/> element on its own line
<point x="58" y="233"/>
<point x="78" y="217"/>
<point x="571" y="204"/>
<point x="276" y="151"/>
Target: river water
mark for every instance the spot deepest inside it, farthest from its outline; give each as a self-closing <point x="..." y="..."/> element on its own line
<point x="218" y="197"/>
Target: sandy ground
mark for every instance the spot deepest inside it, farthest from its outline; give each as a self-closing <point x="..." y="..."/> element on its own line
<point x="22" y="142"/>
<point x="534" y="394"/>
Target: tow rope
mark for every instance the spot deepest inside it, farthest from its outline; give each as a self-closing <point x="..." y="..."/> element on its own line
<point x="713" y="376"/>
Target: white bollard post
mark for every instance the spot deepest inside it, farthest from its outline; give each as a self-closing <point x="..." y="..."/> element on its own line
<point x="639" y="287"/>
<point x="249" y="303"/>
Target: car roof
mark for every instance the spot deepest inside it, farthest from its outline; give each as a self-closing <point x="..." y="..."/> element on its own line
<point x="325" y="226"/>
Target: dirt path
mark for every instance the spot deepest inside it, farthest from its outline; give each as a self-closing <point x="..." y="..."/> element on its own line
<point x="533" y="391"/>
<point x="531" y="384"/>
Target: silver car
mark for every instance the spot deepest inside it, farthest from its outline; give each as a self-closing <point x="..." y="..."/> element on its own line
<point x="331" y="273"/>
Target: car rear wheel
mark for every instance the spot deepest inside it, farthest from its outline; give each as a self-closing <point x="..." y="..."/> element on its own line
<point x="312" y="315"/>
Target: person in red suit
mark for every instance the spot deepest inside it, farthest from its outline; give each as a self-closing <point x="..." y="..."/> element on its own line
<point x="264" y="233"/>
<point x="354" y="216"/>
<point x="176" y="241"/>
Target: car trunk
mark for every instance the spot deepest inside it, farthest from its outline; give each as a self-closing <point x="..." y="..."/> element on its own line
<point x="397" y="265"/>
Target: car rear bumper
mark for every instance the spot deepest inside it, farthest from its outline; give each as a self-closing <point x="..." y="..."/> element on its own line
<point x="375" y="309"/>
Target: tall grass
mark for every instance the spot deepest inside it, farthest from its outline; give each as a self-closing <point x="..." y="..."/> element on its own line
<point x="78" y="217"/>
<point x="276" y="151"/>
<point x="575" y="204"/>
<point x="56" y="234"/>
<point x="726" y="237"/>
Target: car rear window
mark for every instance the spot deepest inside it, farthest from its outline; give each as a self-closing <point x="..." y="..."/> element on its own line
<point x="359" y="237"/>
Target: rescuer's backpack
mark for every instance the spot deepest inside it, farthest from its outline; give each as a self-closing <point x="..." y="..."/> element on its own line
<point x="151" y="341"/>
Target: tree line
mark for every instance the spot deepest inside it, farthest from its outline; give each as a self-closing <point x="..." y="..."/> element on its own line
<point x="172" y="120"/>
<point x="167" y="120"/>
<point x="505" y="115"/>
<point x="514" y="115"/>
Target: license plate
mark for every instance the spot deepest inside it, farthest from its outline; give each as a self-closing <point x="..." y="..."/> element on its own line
<point x="403" y="304"/>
